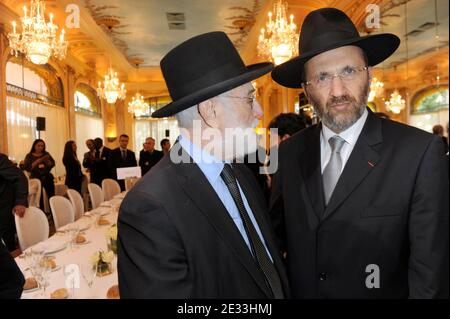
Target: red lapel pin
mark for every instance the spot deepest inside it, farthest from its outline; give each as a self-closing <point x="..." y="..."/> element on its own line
<point x="371" y="164"/>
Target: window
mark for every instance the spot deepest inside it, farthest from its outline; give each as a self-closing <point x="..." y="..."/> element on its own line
<point x="86" y="101"/>
<point x="430" y="107"/>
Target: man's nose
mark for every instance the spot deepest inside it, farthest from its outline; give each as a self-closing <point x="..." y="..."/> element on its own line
<point x="257" y="110"/>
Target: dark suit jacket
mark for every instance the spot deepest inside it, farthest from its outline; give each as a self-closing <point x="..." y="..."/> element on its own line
<point x="101" y="165"/>
<point x="13" y="191"/>
<point x="13" y="184"/>
<point x="176" y="239"/>
<point x="74" y="176"/>
<point x="115" y="161"/>
<point x="147" y="160"/>
<point x="389" y="208"/>
<point x="11" y="278"/>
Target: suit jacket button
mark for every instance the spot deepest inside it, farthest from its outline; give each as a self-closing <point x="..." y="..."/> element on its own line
<point x="322" y="276"/>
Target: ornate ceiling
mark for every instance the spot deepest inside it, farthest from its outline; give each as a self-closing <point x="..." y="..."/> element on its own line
<point x="122" y="33"/>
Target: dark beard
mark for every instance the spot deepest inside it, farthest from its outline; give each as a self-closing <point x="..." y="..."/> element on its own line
<point x="339" y="122"/>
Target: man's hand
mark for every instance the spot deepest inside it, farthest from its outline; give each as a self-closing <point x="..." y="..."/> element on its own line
<point x="19" y="210"/>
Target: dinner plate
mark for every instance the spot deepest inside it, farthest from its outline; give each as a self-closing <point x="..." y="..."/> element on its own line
<point x="30" y="290"/>
<point x="51" y="248"/>
<point x="83" y="243"/>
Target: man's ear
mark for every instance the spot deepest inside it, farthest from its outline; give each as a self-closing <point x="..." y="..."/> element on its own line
<point x="304" y="90"/>
<point x="207" y="111"/>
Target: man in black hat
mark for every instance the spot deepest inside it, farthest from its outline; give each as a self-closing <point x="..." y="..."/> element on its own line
<point x="196" y="227"/>
<point x="365" y="199"/>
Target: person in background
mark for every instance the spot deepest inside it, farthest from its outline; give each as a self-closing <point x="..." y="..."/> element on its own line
<point x="74" y="176"/>
<point x="165" y="145"/>
<point x="13" y="199"/>
<point x="121" y="157"/>
<point x="439" y="130"/>
<point x="39" y="163"/>
<point x="101" y="161"/>
<point x="148" y="157"/>
<point x="89" y="157"/>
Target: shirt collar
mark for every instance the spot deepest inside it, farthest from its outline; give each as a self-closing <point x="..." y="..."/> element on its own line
<point x="210" y="165"/>
<point x="351" y="134"/>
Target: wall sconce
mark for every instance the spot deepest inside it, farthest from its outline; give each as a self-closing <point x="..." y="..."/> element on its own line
<point x="111" y="139"/>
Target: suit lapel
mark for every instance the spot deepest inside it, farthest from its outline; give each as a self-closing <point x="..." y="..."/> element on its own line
<point x="261" y="218"/>
<point x="310" y="164"/>
<point x="200" y="191"/>
<point x="361" y="161"/>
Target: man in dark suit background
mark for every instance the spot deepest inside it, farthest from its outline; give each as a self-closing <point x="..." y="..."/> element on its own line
<point x="148" y="157"/>
<point x="196" y="226"/>
<point x="101" y="161"/>
<point x="365" y="199"/>
<point x="121" y="157"/>
<point x="13" y="199"/>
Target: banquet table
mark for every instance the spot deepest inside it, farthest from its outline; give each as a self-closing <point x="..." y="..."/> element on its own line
<point x="69" y="260"/>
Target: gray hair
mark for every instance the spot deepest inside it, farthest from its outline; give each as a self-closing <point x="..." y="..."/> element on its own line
<point x="186" y="117"/>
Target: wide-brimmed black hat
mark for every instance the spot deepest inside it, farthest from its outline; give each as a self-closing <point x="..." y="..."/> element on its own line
<point x="203" y="67"/>
<point x="326" y="29"/>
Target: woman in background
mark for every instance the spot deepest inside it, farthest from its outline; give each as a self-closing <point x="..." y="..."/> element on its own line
<point x="74" y="176"/>
<point x="39" y="163"/>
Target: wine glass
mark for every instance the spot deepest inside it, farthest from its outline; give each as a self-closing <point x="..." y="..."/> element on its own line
<point x="89" y="273"/>
<point x="72" y="232"/>
<point x="42" y="272"/>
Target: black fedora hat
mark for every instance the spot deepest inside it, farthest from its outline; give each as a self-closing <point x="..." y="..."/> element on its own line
<point x="203" y="67"/>
<point x="327" y="29"/>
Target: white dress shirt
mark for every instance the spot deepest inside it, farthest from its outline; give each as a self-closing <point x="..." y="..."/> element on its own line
<point x="350" y="136"/>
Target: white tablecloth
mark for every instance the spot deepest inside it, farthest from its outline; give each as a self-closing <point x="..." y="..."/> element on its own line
<point x="69" y="260"/>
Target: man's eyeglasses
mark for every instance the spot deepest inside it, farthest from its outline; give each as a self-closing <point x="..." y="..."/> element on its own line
<point x="250" y="99"/>
<point x="324" y="78"/>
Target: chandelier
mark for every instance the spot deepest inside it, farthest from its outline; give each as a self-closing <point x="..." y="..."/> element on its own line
<point x="279" y="41"/>
<point x="138" y="106"/>
<point x="38" y="40"/>
<point x="376" y="89"/>
<point x="111" y="90"/>
<point x="396" y="103"/>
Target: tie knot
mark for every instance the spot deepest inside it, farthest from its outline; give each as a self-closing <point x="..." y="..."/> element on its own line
<point x="227" y="174"/>
<point x="336" y="143"/>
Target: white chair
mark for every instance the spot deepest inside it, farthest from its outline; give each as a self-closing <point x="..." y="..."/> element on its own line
<point x="110" y="188"/>
<point x="32" y="228"/>
<point x="62" y="211"/>
<point x="77" y="202"/>
<point x="34" y="192"/>
<point x="96" y="195"/>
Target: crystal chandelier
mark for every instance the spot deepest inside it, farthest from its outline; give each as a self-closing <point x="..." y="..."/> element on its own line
<point x="396" y="103"/>
<point x="279" y="41"/>
<point x="138" y="106"/>
<point x="111" y="90"/>
<point x="38" y="40"/>
<point x="376" y="89"/>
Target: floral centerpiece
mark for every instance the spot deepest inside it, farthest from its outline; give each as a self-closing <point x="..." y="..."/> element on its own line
<point x="111" y="236"/>
<point x="103" y="262"/>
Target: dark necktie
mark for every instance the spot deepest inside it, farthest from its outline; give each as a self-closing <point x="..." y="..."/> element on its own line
<point x="97" y="153"/>
<point x="259" y="251"/>
<point x="124" y="155"/>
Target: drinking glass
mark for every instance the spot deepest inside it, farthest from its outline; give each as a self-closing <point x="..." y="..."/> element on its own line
<point x="89" y="273"/>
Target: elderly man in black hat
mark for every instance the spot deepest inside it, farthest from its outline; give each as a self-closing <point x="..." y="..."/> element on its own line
<point x="196" y="226"/>
<point x="365" y="199"/>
